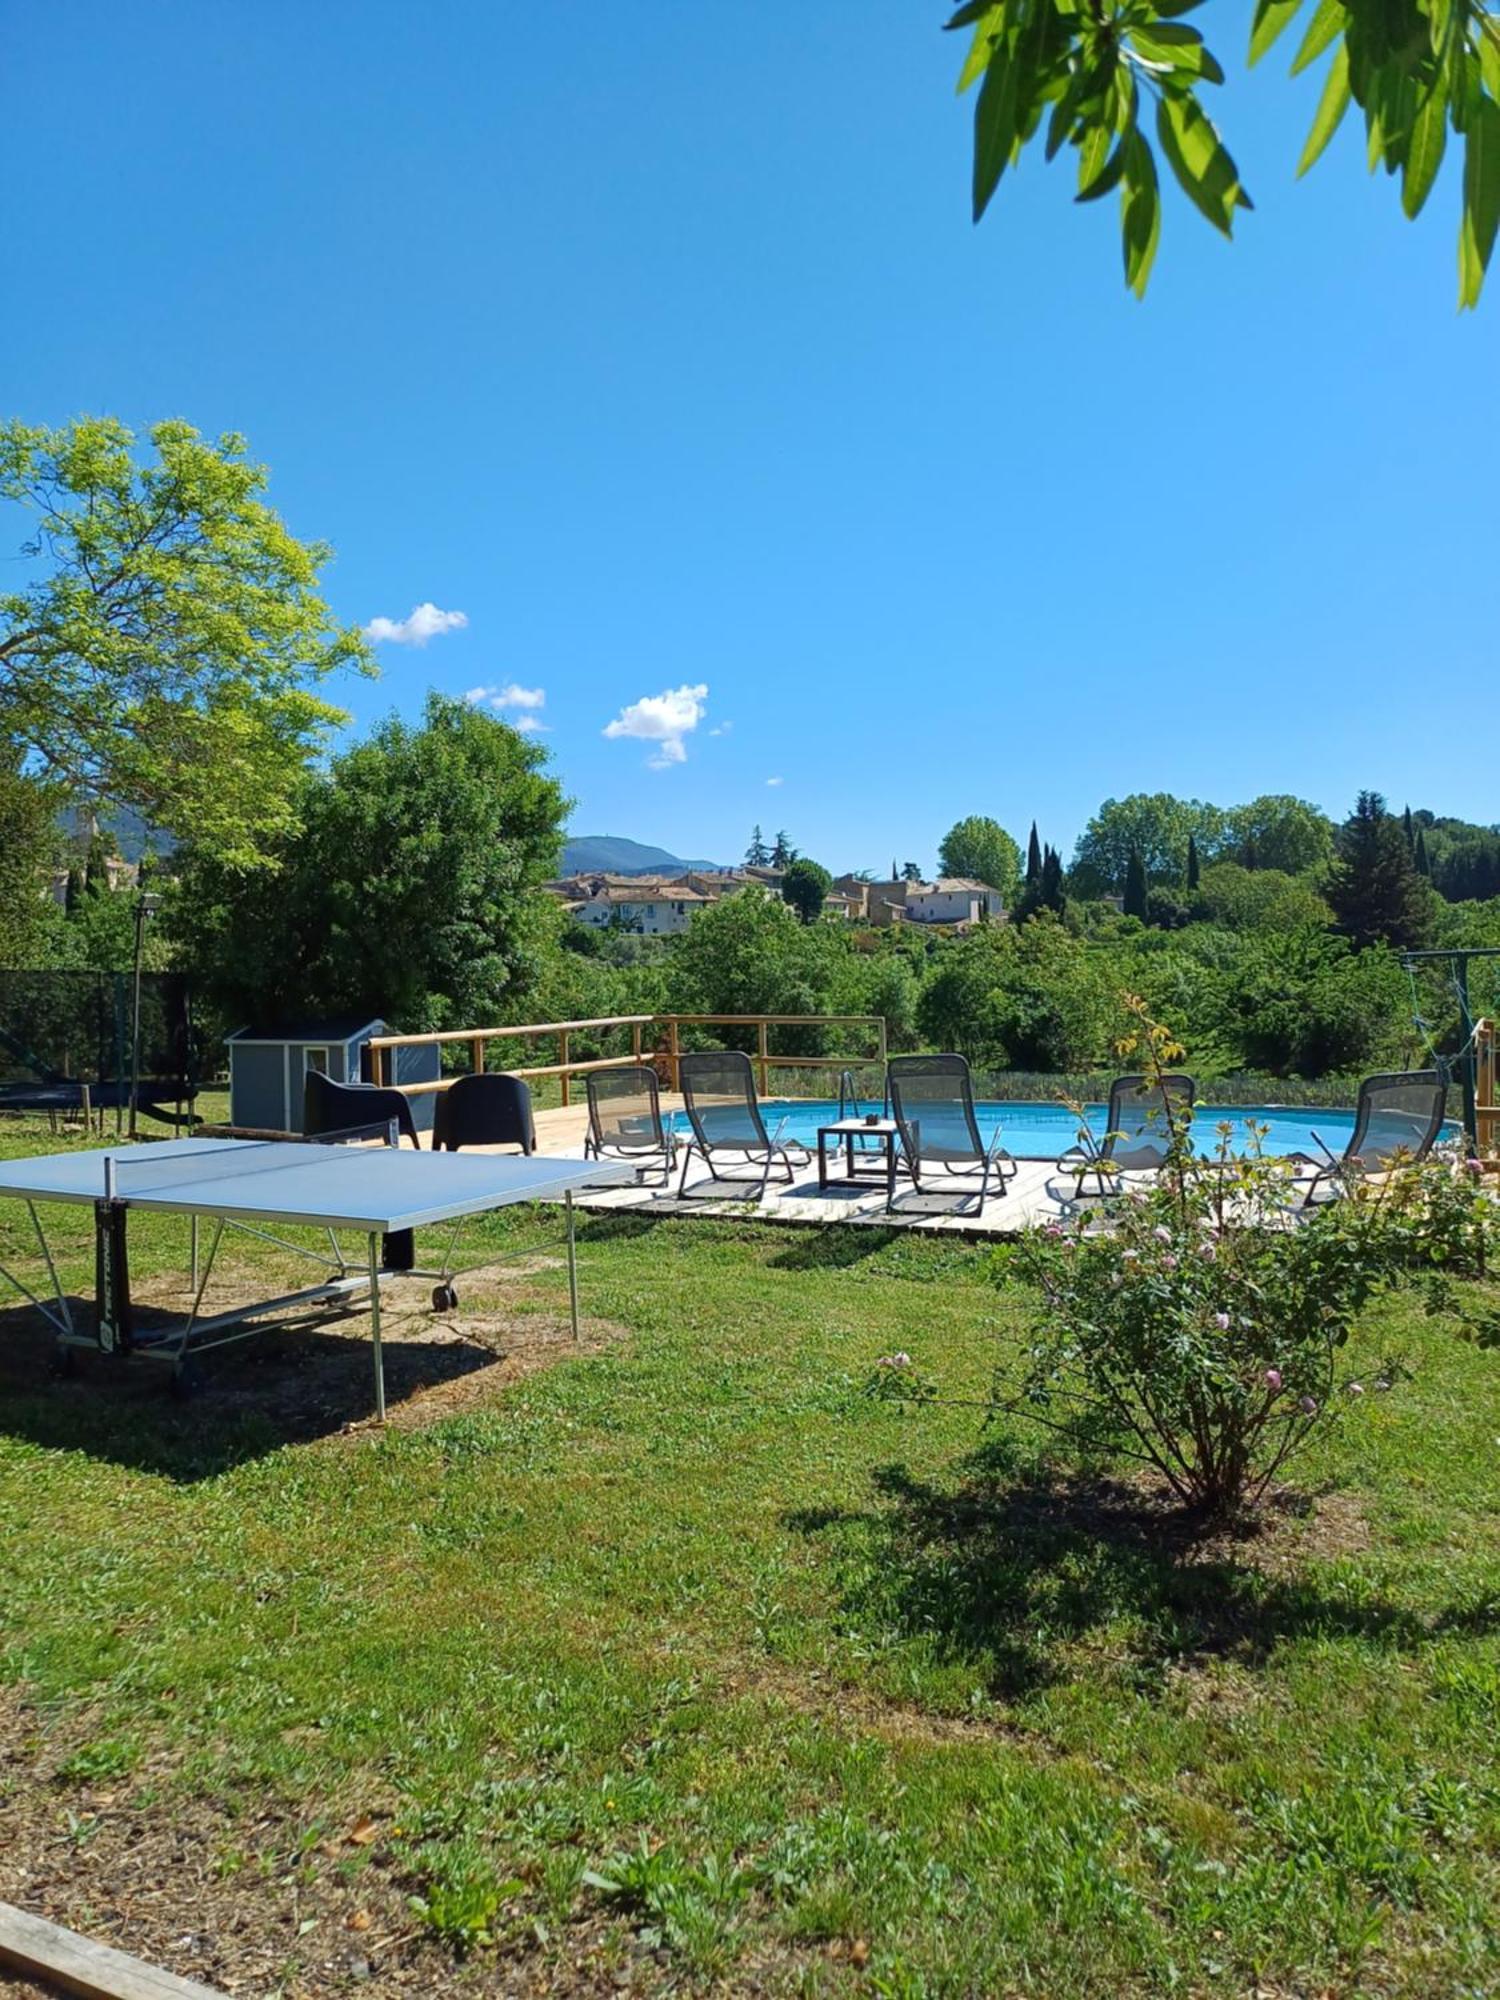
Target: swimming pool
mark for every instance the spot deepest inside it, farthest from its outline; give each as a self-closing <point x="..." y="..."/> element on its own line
<point x="1043" y="1131"/>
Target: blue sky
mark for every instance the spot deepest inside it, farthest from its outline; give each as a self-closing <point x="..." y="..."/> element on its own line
<point x="656" y="341"/>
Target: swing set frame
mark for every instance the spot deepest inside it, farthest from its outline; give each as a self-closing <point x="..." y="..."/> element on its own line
<point x="1475" y="1063"/>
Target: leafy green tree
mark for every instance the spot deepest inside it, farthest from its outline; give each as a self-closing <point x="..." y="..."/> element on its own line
<point x="1260" y="899"/>
<point x="1374" y="889"/>
<point x="29" y="852"/>
<point x="409" y="889"/>
<point x="1193" y="868"/>
<point x="783" y="852"/>
<point x="750" y="954"/>
<point x="1463" y="859"/>
<point x="1033" y="858"/>
<point x="1282" y="832"/>
<point x="1156" y="827"/>
<point x="1419" y="855"/>
<point x="1302" y="1003"/>
<point x="1028" y="997"/>
<point x="910" y="872"/>
<point x="163" y="655"/>
<point x="1417" y="69"/>
<point x="805" y="886"/>
<point x="980" y="850"/>
<point x="757" y="854"/>
<point x="1135" y="894"/>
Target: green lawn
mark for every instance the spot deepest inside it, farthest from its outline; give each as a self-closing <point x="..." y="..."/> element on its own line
<point x="682" y="1662"/>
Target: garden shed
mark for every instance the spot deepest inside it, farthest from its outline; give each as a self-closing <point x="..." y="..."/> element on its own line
<point x="267" y="1066"/>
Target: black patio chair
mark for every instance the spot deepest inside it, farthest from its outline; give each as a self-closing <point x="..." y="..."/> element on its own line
<point x="487" y="1109"/>
<point x="625" y="1120"/>
<point x="1396" y="1123"/>
<point x="341" y="1107"/>
<point x="1138" y="1133"/>
<point x="932" y="1102"/>
<point x="718" y="1094"/>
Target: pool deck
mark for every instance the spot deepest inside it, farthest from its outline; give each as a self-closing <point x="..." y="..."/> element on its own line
<point x="949" y="1210"/>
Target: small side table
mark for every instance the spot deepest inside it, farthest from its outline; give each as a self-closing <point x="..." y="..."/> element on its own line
<point x="855" y="1174"/>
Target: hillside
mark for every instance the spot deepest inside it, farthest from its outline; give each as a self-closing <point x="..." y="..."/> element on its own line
<point x="611" y="854"/>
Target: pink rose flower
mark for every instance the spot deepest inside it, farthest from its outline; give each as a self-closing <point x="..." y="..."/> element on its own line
<point x="1221" y="1321"/>
<point x="1273" y="1378"/>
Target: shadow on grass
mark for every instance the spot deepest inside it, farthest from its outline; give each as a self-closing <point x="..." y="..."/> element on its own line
<point x="1016" y="1572"/>
<point x="291" y="1384"/>
<point x="835" y="1248"/>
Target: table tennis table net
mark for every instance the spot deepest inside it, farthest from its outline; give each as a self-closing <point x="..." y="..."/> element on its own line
<point x="243" y="1160"/>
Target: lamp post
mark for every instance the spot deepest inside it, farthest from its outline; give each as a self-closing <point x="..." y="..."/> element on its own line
<point x="146" y="905"/>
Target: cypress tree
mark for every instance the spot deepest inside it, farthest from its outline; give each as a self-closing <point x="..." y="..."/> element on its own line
<point x="1192" y="863"/>
<point x="1411" y="838"/>
<point x="1419" y="855"/>
<point x="1049" y="881"/>
<point x="1377" y="895"/>
<point x="1135" y="886"/>
<point x="1033" y="859"/>
<point x="1252" y="853"/>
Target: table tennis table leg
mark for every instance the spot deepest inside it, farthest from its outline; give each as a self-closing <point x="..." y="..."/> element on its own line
<point x="375" y="1324"/>
<point x="572" y="1266"/>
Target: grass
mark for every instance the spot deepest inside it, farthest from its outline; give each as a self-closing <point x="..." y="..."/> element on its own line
<point x="684" y="1662"/>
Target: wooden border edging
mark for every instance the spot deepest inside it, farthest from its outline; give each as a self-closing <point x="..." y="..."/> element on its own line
<point x="77" y="1964"/>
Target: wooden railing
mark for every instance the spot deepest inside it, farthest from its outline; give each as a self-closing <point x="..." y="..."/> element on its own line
<point x="666" y="1052"/>
<point x="1487" y="1088"/>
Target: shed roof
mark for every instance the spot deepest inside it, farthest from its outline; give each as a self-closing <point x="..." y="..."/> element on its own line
<point x="330" y="1028"/>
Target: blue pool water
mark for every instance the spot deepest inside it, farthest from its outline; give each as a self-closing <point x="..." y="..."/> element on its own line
<point x="1043" y="1131"/>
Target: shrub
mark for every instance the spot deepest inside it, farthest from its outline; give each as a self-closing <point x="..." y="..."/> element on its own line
<point x="1198" y="1326"/>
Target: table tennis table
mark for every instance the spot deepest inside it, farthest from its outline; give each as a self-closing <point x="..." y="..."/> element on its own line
<point x="258" y="1187"/>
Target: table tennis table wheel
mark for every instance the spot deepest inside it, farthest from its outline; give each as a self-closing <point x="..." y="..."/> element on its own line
<point x="444" y="1298"/>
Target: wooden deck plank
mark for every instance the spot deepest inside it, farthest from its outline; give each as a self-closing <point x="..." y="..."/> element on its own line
<point x="76" y="1964"/>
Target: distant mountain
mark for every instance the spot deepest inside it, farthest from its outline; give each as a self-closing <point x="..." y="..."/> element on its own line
<point x="609" y="854"/>
<point x="123" y="829"/>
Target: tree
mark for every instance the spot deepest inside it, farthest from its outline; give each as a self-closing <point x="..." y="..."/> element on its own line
<point x="29" y="848"/>
<point x="1153" y="825"/>
<point x="805" y="886"/>
<point x="408" y="890"/>
<point x="782" y="852"/>
<point x="1416" y="69"/>
<point x="910" y="872"/>
<point x="163" y="656"/>
<point x="1261" y="899"/>
<point x="749" y="954"/>
<point x="757" y="854"/>
<point x="1028" y="997"/>
<point x="980" y="850"/>
<point x="1044" y="891"/>
<point x="1033" y="858"/>
<point x="1279" y="831"/>
<point x="1406" y="828"/>
<point x="1136" y="892"/>
<point x="1050" y="888"/>
<point x="1374" y="889"/>
<point x="1419" y="855"/>
<point x="1192" y="864"/>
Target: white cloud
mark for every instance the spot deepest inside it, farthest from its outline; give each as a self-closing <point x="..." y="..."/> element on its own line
<point x="422" y="623"/>
<point x="663" y="719"/>
<point x="775" y="781"/>
<point x="721" y="729"/>
<point x="509" y="696"/>
<point x="522" y="703"/>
